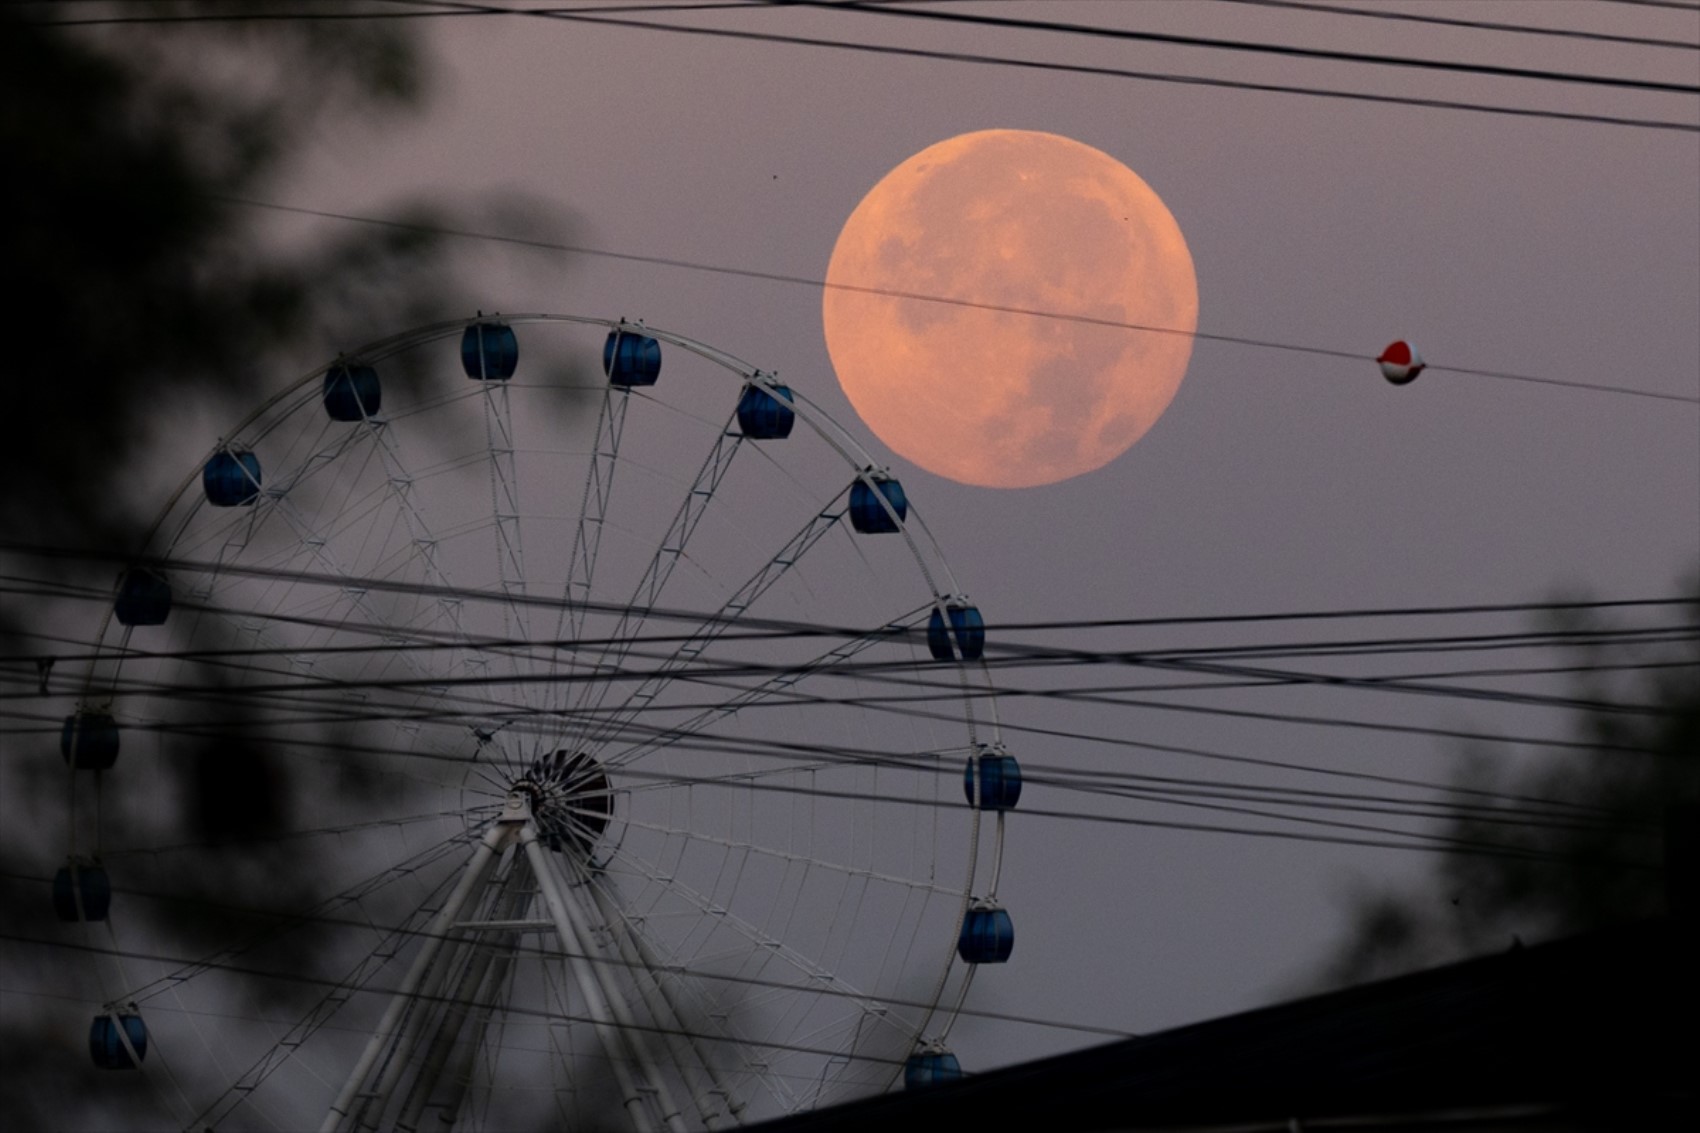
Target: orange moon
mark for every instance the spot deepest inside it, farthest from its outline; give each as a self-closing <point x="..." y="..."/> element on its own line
<point x="1010" y="219"/>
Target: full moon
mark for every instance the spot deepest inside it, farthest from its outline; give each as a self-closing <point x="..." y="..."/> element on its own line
<point x="1033" y="242"/>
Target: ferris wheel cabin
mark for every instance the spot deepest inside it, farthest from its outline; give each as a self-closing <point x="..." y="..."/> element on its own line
<point x="868" y="513"/>
<point x="966" y="637"/>
<point x="988" y="935"/>
<point x="144" y="598"/>
<point x="631" y="359"/>
<point x="81" y="891"/>
<point x="115" y="1049"/>
<point x="89" y="741"/>
<point x="489" y="352"/>
<point x="931" y="1065"/>
<point x="992" y="779"/>
<point x="231" y="478"/>
<point x="764" y="413"/>
<point x="352" y="392"/>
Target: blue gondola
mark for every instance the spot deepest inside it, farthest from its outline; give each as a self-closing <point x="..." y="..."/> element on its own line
<point x="107" y="1048"/>
<point x="988" y="935"/>
<point x="84" y="880"/>
<point x="762" y="416"/>
<point x="144" y="598"/>
<point x="89" y="741"/>
<point x="631" y="359"/>
<point x="967" y="632"/>
<point x="931" y="1065"/>
<point x="999" y="779"/>
<point x="231" y="477"/>
<point x="489" y="351"/>
<point x="352" y="392"/>
<point x="867" y="514"/>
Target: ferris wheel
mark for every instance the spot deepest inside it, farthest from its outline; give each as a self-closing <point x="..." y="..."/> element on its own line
<point x="531" y="733"/>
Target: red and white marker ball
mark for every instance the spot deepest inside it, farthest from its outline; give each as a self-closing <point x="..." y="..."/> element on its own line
<point x="1400" y="362"/>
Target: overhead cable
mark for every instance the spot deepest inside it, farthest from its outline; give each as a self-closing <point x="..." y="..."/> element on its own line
<point x="1295" y="51"/>
<point x="1386" y="13"/>
<point x="820" y="284"/>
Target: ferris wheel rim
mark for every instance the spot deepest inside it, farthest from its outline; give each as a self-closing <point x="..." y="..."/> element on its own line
<point x="926" y="552"/>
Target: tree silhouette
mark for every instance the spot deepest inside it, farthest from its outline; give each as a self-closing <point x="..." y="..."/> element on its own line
<point x="140" y="296"/>
<point x="1622" y="851"/>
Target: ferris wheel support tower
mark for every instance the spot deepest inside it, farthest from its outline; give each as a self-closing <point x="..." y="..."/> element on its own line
<point x="450" y="945"/>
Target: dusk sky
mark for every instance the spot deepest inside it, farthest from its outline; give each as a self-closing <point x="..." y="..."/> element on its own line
<point x="716" y="173"/>
<point x="1275" y="481"/>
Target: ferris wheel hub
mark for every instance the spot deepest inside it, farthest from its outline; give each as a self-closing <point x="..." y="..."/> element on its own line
<point x="569" y="798"/>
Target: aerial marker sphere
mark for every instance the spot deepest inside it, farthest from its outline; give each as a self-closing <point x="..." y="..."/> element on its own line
<point x="1400" y="363"/>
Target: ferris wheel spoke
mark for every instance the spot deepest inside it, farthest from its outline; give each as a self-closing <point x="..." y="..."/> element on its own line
<point x="563" y="1053"/>
<point x="811" y="533"/>
<point x="698" y="496"/>
<point x="249" y="522"/>
<point x="779" y="684"/>
<point x="639" y="955"/>
<point x="316" y="543"/>
<point x="659" y="781"/>
<point x="246" y="626"/>
<point x="242" y="1090"/>
<point x="353" y="894"/>
<point x="357" y="596"/>
<point x="501" y="444"/>
<point x="314" y="832"/>
<point x="792" y="857"/>
<point x="306" y="749"/>
<point x="304" y="693"/>
<point x="301" y="694"/>
<point x="743" y="949"/>
<point x="592" y="516"/>
<point x="401" y="484"/>
<point x="232" y="535"/>
<point x="297" y="688"/>
<point x="814" y="976"/>
<point x="683" y="998"/>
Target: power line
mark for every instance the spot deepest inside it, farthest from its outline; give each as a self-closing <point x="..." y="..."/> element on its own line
<point x="283" y="683"/>
<point x="886" y="292"/>
<point x="675" y="970"/>
<point x="608" y="17"/>
<point x="766" y="625"/>
<point x="172" y="564"/>
<point x="445" y="11"/>
<point x="509" y="1007"/>
<point x="812" y="753"/>
<point x="1001" y="652"/>
<point x="343" y="747"/>
<point x="421" y="642"/>
<point x="821" y="755"/>
<point x="1080" y="779"/>
<point x="320" y="15"/>
<point x="726" y="672"/>
<point x="1294" y="51"/>
<point x="720" y="672"/>
<point x="1479" y="25"/>
<point x="1117" y="72"/>
<point x="1677" y="5"/>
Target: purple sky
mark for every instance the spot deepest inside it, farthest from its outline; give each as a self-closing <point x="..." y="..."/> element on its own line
<point x="1276" y="480"/>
